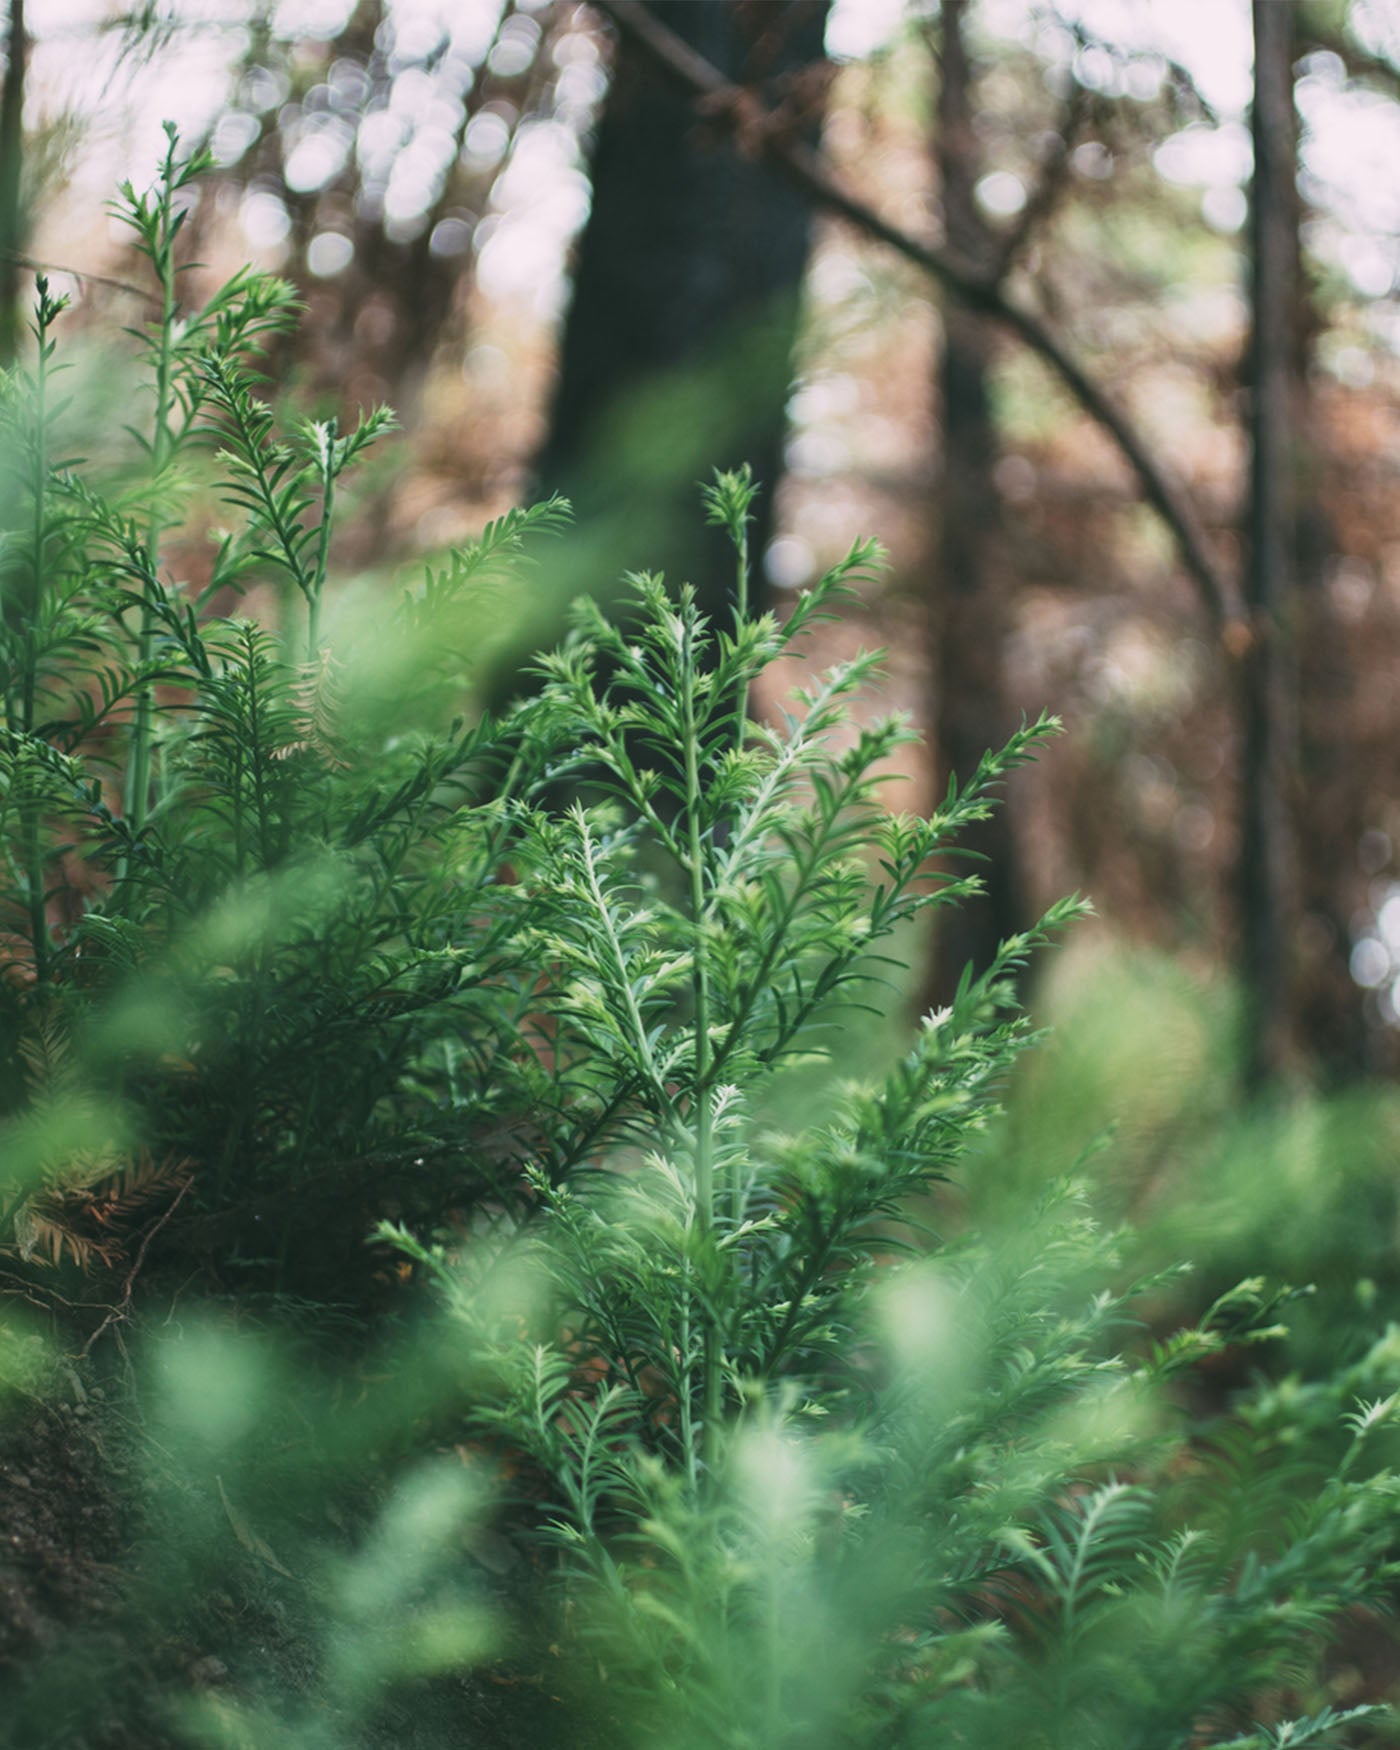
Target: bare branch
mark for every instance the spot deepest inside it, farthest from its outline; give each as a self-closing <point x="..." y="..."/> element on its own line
<point x="752" y="127"/>
<point x="1360" y="63"/>
<point x="120" y="1310"/>
<point x="1008" y="244"/>
<point x="1180" y="77"/>
<point x="1050" y="185"/>
<point x="78" y="273"/>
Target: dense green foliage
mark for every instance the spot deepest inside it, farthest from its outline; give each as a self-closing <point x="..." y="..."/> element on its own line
<point x="666" y="1319"/>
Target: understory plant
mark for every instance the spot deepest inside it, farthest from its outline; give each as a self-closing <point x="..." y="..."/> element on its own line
<point x="809" y="1471"/>
<point x="258" y="940"/>
<point x="580" y="1015"/>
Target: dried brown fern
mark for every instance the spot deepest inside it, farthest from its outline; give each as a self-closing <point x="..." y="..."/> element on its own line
<point x="93" y="1222"/>
<point x="87" y="1206"/>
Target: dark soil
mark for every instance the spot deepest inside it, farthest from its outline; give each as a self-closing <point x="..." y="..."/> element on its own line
<point x="83" y="1666"/>
<point x="61" y="1527"/>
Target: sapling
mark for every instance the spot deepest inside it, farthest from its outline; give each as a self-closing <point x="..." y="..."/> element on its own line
<point x="280" y="941"/>
<point x="798" y="1492"/>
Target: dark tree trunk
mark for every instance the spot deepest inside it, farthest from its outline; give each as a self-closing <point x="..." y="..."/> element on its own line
<point x="11" y="168"/>
<point x="1267" y="872"/>
<point x="677" y="350"/>
<point x="968" y="611"/>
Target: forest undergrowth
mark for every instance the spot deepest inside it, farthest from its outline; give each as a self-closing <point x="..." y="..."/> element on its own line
<point x="483" y="1259"/>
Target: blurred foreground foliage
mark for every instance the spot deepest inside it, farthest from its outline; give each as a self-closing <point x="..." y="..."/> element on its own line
<point x="714" y="1376"/>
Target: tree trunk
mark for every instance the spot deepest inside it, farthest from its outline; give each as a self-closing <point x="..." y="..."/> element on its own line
<point x="11" y="193"/>
<point x="1267" y="871"/>
<point x="676" y="356"/>
<point x="968" y="611"/>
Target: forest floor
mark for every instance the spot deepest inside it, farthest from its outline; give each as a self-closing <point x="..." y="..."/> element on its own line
<point x="75" y="1521"/>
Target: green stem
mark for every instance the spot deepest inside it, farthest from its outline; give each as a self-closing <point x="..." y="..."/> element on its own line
<point x="323" y="547"/>
<point x="703" y="1106"/>
<point x="138" y="771"/>
<point x="33" y="843"/>
<point x="688" y="1441"/>
<point x="260" y="803"/>
<point x="741" y="725"/>
<point x="741" y="614"/>
<point x="38" y="907"/>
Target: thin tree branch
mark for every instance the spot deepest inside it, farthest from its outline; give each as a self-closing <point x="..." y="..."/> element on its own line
<point x="78" y="273"/>
<point x="1359" y="62"/>
<point x="1178" y="74"/>
<point x="1045" y="196"/>
<point x="120" y="1310"/>
<point x="753" y="129"/>
<point x="1006" y="246"/>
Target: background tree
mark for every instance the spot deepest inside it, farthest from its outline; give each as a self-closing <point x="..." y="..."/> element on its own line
<point x="11" y="165"/>
<point x="1268" y="863"/>
<point x="692" y="261"/>
<point x="968" y="609"/>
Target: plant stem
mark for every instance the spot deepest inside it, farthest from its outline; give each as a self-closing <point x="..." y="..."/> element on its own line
<point x="39" y="455"/>
<point x="741" y="725"/>
<point x="704" y="1113"/>
<point x="741" y="614"/>
<point x="38" y="906"/>
<point x="138" y="771"/>
<point x="686" y="1407"/>
<point x="323" y="547"/>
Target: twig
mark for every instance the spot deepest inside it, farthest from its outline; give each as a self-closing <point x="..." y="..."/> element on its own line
<point x="1006" y="246"/>
<point x="1178" y="73"/>
<point x="749" y="120"/>
<point x="77" y="273"/>
<point x="1360" y="63"/>
<point x="27" y="1290"/>
<point x="119" y="1311"/>
<point x="1045" y="196"/>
